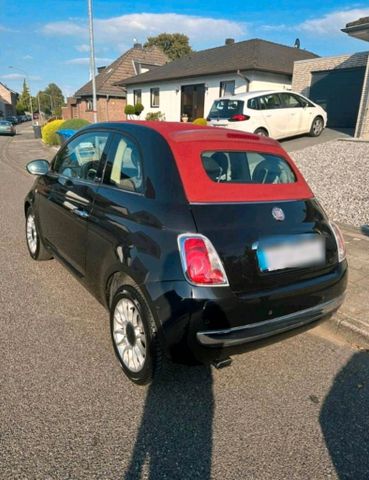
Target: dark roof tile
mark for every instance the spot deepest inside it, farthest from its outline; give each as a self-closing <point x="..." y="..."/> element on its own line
<point x="122" y="67"/>
<point x="255" y="54"/>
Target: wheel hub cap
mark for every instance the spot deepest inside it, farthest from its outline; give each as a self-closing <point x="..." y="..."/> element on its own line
<point x="129" y="335"/>
<point x="31" y="234"/>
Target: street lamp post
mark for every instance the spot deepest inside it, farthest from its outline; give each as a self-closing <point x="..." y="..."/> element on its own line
<point x="92" y="59"/>
<point x="29" y="87"/>
<point x="51" y="100"/>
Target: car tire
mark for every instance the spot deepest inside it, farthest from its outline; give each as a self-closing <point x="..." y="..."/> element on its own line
<point x="134" y="335"/>
<point x="262" y="132"/>
<point x="35" y="246"/>
<point x="316" y="127"/>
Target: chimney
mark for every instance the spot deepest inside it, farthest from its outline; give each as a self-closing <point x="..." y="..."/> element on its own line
<point x="229" y="41"/>
<point x="101" y="69"/>
<point x="137" y="45"/>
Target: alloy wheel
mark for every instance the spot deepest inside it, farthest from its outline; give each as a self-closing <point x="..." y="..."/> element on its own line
<point x="318" y="126"/>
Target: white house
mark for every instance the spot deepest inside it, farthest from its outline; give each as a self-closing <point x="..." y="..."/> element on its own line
<point x="189" y="85"/>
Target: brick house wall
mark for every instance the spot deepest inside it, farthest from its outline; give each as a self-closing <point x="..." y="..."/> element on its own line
<point x="108" y="109"/>
<point x="10" y="98"/>
<point x="302" y="76"/>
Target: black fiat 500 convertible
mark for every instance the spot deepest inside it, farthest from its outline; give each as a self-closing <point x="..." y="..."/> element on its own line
<point x="201" y="242"/>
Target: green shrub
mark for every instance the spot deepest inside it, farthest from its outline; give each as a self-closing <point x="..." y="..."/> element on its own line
<point x="74" y="124"/>
<point x="200" y="121"/>
<point x="138" y="108"/>
<point x="129" y="110"/>
<point x="155" y="116"/>
<point x="48" y="132"/>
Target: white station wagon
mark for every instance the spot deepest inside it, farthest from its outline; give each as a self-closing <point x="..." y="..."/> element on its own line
<point x="277" y="114"/>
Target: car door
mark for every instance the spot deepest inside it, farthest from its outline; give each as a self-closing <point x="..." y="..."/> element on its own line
<point x="275" y="116"/>
<point x="119" y="215"/>
<point x="295" y="108"/>
<point x="66" y="196"/>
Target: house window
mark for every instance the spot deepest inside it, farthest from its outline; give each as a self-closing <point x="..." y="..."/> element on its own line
<point x="227" y="88"/>
<point x="154" y="95"/>
<point x="89" y="105"/>
<point x="137" y="96"/>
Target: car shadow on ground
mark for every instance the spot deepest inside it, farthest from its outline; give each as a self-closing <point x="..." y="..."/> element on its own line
<point x="344" y="419"/>
<point x="174" y="439"/>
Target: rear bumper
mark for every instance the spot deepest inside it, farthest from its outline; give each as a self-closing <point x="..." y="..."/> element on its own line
<point x="207" y="324"/>
<point x="261" y="330"/>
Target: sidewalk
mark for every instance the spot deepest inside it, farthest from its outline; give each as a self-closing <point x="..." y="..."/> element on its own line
<point x="351" y="321"/>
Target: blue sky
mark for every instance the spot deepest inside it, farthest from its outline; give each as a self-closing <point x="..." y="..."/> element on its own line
<point x="49" y="40"/>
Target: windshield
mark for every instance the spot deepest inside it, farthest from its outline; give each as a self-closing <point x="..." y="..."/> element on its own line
<point x="225" y="108"/>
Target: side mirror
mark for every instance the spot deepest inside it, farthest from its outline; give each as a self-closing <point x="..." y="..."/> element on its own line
<point x="38" y="167"/>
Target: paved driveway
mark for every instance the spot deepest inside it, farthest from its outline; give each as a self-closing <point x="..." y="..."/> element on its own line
<point x="295" y="410"/>
<point x="299" y="143"/>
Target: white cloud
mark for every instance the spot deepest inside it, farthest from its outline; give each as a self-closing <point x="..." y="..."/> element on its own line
<point x="3" y="28"/>
<point x="331" y="23"/>
<point x="82" y="48"/>
<point x="86" y="61"/>
<point x="18" y="76"/>
<point x="27" y="57"/>
<point x="66" y="28"/>
<point x="142" y="25"/>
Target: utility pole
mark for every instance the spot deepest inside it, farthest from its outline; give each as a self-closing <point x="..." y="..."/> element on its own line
<point x="39" y="107"/>
<point x="92" y="59"/>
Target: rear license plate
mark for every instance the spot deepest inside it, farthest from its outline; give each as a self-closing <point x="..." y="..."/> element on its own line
<point x="292" y="252"/>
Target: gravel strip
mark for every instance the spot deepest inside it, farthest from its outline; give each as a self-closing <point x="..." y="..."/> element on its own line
<point x="338" y="174"/>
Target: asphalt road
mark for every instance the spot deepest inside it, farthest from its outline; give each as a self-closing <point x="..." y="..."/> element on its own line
<point x="304" y="141"/>
<point x="295" y="410"/>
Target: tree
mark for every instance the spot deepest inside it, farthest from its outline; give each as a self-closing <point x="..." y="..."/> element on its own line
<point x="23" y="103"/>
<point x="51" y="100"/>
<point x="175" y="45"/>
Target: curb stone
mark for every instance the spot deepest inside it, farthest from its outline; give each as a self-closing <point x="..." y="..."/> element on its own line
<point x="351" y="329"/>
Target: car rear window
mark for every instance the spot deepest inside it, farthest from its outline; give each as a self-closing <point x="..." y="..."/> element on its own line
<point x="246" y="167"/>
<point x="225" y="108"/>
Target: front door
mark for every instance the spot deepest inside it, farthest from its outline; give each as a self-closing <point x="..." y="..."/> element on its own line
<point x="192" y="101"/>
<point x="66" y="197"/>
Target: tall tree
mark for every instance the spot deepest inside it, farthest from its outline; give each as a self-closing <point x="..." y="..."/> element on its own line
<point x="51" y="99"/>
<point x="175" y="45"/>
<point x="23" y="104"/>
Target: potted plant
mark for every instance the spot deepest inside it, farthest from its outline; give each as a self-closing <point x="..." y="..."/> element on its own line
<point x="129" y="111"/>
<point x="138" y="109"/>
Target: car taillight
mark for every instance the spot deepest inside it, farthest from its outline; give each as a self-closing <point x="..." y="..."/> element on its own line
<point x="239" y="117"/>
<point x="200" y="262"/>
<point x="341" y="248"/>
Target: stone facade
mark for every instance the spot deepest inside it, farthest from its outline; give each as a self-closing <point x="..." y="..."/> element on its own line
<point x="302" y="76"/>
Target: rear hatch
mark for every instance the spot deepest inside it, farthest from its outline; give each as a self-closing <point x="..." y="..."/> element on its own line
<point x="224" y="112"/>
<point x="248" y="197"/>
<point x="247" y="236"/>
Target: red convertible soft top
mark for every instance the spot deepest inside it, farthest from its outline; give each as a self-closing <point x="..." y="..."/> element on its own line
<point x="188" y="142"/>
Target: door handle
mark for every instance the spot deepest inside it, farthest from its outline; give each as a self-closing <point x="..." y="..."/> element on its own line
<point x="81" y="213"/>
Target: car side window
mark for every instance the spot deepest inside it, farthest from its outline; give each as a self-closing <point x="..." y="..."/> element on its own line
<point x="271" y="101"/>
<point x="80" y="158"/>
<point x="253" y="103"/>
<point x="124" y="169"/>
<point x="290" y="101"/>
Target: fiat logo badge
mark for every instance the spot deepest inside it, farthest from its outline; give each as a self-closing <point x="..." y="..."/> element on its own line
<point x="278" y="214"/>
